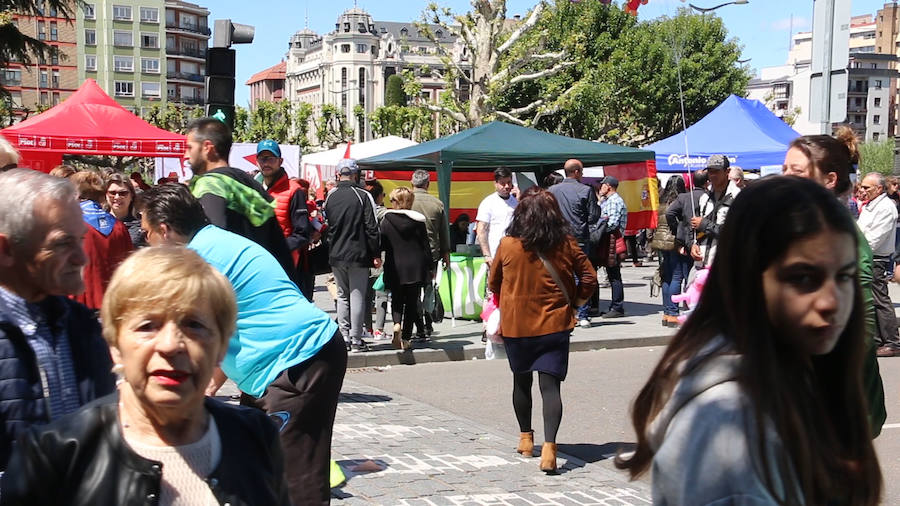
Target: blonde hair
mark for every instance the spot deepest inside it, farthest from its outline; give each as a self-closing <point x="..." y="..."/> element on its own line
<point x="170" y="279"/>
<point x="63" y="171"/>
<point x="403" y="196"/>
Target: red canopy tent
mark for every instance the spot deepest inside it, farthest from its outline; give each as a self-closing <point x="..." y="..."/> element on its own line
<point x="89" y="122"/>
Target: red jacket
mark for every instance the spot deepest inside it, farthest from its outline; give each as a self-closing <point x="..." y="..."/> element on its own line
<point x="104" y="254"/>
<point x="283" y="191"/>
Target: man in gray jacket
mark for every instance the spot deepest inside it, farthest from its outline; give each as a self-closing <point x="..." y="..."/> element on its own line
<point x="578" y="204"/>
<point x="438" y="240"/>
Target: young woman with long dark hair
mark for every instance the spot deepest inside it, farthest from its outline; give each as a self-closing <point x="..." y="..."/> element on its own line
<point x="534" y="271"/>
<point x="758" y="398"/>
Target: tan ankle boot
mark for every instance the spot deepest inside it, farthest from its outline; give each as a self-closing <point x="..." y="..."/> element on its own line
<point x="526" y="443"/>
<point x="548" y="458"/>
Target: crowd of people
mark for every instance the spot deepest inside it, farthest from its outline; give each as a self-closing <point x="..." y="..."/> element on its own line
<point x="124" y="307"/>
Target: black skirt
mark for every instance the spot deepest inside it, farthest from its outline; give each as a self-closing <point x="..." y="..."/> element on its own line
<point x="548" y="354"/>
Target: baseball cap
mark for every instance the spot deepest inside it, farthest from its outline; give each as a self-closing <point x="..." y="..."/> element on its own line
<point x="270" y="146"/>
<point x="347" y="167"/>
<point x="611" y="181"/>
<point x="717" y="162"/>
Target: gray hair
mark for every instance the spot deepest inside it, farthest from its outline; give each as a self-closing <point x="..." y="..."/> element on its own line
<point x="879" y="179"/>
<point x="420" y="178"/>
<point x="6" y="147"/>
<point x="20" y="189"/>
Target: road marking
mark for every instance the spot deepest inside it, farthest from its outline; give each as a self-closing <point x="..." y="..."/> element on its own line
<point x="891" y="426"/>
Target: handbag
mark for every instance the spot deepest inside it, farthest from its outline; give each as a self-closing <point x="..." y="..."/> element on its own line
<point x="555" y="277"/>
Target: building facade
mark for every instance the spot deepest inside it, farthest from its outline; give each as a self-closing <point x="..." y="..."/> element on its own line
<point x="872" y="81"/>
<point x="267" y="85"/>
<point x="48" y="79"/>
<point x="144" y="52"/>
<point x="350" y="66"/>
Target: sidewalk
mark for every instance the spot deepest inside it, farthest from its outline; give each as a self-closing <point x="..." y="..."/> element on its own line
<point x="640" y="327"/>
<point x="396" y="451"/>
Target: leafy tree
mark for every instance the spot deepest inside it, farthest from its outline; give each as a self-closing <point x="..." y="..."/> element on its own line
<point x="173" y="116"/>
<point x="409" y="121"/>
<point x="241" y="124"/>
<point x="877" y="156"/>
<point x="303" y="112"/>
<point x="331" y="127"/>
<point x="393" y="94"/>
<point x="18" y="47"/>
<point x="626" y="84"/>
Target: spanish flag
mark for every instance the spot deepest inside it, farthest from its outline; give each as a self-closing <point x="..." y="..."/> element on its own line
<point x="638" y="188"/>
<point x="467" y="189"/>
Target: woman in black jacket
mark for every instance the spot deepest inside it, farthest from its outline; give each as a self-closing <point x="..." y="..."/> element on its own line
<point x="159" y="438"/>
<point x="405" y="242"/>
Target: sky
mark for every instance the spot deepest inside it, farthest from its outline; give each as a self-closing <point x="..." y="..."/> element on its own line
<point x="763" y="27"/>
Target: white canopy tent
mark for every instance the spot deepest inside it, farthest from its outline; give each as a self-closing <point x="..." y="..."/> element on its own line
<point x="320" y="167"/>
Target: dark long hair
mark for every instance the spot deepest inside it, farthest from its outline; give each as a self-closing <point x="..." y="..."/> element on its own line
<point x="538" y="222"/>
<point x="674" y="186"/>
<point x="816" y="404"/>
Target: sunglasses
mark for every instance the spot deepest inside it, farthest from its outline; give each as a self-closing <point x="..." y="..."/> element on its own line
<point x="8" y="166"/>
<point x="122" y="193"/>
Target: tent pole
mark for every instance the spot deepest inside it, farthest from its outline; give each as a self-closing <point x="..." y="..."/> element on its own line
<point x="444" y="169"/>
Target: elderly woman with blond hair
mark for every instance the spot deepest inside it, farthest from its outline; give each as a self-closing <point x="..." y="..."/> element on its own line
<point x="407" y="258"/>
<point x="167" y="317"/>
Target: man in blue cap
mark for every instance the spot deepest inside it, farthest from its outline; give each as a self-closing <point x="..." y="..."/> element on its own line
<point x="290" y="211"/>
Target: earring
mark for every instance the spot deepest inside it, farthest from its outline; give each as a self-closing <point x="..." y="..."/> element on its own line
<point x="118" y="369"/>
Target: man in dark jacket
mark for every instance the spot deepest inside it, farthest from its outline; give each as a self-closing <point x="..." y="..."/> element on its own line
<point x="438" y="240"/>
<point x="231" y="199"/>
<point x="685" y="207"/>
<point x="578" y="204"/>
<point x="353" y="248"/>
<point x="54" y="358"/>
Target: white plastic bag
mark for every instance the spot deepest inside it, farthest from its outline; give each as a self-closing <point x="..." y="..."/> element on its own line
<point x="493" y="350"/>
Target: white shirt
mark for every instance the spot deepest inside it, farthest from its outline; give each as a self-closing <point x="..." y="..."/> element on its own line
<point x="497" y="213"/>
<point x="878" y="222"/>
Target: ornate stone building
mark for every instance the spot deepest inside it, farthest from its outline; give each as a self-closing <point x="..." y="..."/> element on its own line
<point x="351" y="65"/>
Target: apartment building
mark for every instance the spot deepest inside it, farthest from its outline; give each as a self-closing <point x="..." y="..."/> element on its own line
<point x="187" y="39"/>
<point x="47" y="79"/>
<point x="267" y="85"/>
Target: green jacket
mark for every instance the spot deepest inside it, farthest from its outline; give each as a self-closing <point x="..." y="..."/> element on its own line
<point x="435" y="222"/>
<point x="872" y="386"/>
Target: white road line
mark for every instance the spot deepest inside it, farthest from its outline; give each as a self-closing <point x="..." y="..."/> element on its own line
<point x="891" y="426"/>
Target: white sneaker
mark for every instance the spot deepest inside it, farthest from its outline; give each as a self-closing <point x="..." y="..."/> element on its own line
<point x="584" y="323"/>
<point x="381" y="336"/>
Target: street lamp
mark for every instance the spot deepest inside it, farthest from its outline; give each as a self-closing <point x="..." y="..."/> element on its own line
<point x="709" y="9"/>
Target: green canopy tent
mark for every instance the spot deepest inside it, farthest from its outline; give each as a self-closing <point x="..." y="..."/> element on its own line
<point x="494" y="144"/>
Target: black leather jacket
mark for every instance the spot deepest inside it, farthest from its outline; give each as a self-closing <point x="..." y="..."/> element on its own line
<point x="82" y="459"/>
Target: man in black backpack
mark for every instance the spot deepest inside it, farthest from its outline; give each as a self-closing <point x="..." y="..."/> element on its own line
<point x="353" y="240"/>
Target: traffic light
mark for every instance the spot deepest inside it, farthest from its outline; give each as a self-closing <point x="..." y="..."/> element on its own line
<point x="220" y="84"/>
<point x="228" y="33"/>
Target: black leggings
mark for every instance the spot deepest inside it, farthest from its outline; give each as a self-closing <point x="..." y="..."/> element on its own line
<point x="551" y="400"/>
<point x="404" y="303"/>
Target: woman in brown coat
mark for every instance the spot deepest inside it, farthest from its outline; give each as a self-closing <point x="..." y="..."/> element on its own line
<point x="540" y="273"/>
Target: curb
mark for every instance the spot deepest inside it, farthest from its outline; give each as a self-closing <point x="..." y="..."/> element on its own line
<point x="476" y="351"/>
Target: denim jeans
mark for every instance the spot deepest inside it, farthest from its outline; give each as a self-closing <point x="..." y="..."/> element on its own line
<point x="675" y="269"/>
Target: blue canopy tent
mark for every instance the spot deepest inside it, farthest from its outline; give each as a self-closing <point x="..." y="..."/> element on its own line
<point x="743" y="130"/>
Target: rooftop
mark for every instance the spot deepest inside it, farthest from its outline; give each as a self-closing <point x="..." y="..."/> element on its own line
<point x="275" y="72"/>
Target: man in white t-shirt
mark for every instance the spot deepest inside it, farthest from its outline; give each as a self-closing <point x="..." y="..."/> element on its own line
<point x="495" y="213"/>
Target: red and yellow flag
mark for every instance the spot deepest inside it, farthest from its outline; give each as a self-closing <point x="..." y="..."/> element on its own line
<point x="467" y="189"/>
<point x="638" y="188"/>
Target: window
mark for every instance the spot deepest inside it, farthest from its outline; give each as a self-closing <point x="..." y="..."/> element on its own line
<point x="439" y="34"/>
<point x="878" y="83"/>
<point x="44" y="81"/>
<point x="362" y="86"/>
<point x="374" y="49"/>
<point x="54" y="79"/>
<point x="171" y="91"/>
<point x="55" y="98"/>
<point x="149" y="40"/>
<point x="150" y="65"/>
<point x="53" y="12"/>
<point x="12" y="77"/>
<point x="858" y="101"/>
<point x="54" y="31"/>
<point x="42" y="30"/>
<point x="124" y="89"/>
<point x="122" y="38"/>
<point x="873" y="65"/>
<point x="877" y="102"/>
<point x="874" y="136"/>
<point x="123" y="63"/>
<point x="150" y="89"/>
<point x="361" y="48"/>
<point x="122" y="12"/>
<point x="345" y="48"/>
<point x="149" y="15"/>
<point x="876" y="119"/>
<point x="404" y="32"/>
<point x="344" y="89"/>
<point x="45" y="98"/>
<point x="346" y="27"/>
<point x="89" y="11"/>
<point x="54" y="56"/>
<point x="90" y="62"/>
<point x="16" y="99"/>
<point x="90" y="37"/>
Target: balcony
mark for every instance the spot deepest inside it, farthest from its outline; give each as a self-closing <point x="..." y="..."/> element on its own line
<point x="188" y="100"/>
<point x="197" y="78"/>
<point x="189" y="27"/>
<point x="189" y="52"/>
<point x="5" y="81"/>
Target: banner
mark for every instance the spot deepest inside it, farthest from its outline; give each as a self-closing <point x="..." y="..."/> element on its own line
<point x="467" y="189"/>
<point x="638" y="188"/>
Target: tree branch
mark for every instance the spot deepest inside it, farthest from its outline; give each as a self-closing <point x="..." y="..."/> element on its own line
<point x="528" y="108"/>
<point x="522" y="29"/>
<point x="456" y="115"/>
<point x="509" y="118"/>
<point x="559" y="67"/>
